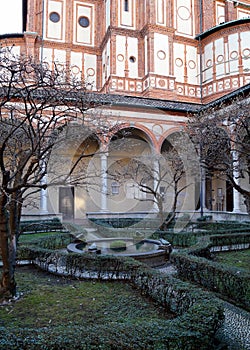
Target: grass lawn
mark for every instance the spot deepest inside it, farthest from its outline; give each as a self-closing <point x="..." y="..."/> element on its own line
<point x="239" y="259"/>
<point x="31" y="237"/>
<point x="50" y="300"/>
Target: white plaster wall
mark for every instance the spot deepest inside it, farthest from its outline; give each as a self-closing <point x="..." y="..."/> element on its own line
<point x="54" y="31"/>
<point x="90" y="70"/>
<point x="208" y="62"/>
<point x="146" y="54"/>
<point x="220" y="12"/>
<point x="161" y="54"/>
<point x="133" y="52"/>
<point x="179" y="62"/>
<point x="245" y="49"/>
<point x="233" y="51"/>
<point x="192" y="65"/>
<point x="106" y="63"/>
<point x="219" y="57"/>
<point x="243" y="13"/>
<point x="161" y="11"/>
<point x="126" y="18"/>
<point x="60" y="56"/>
<point x="47" y="56"/>
<point x="120" y="55"/>
<point x="76" y="62"/>
<point x="183" y="10"/>
<point x="107" y="7"/>
<point x="84" y="35"/>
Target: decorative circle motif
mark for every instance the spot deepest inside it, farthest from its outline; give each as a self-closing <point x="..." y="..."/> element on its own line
<point x="179" y="62"/>
<point x="161" y="55"/>
<point x="120" y="58"/>
<point x="246" y="52"/>
<point x="191" y="91"/>
<point x="180" y="89"/>
<point x="191" y="64"/>
<point x="83" y="21"/>
<point x="59" y="67"/>
<point x="132" y="59"/>
<point x="75" y="69"/>
<point x="54" y="17"/>
<point x="161" y="83"/>
<point x="220" y="58"/>
<point x="209" y="63"/>
<point x="184" y="13"/>
<point x="234" y="55"/>
<point x="210" y="89"/>
<point x="90" y="72"/>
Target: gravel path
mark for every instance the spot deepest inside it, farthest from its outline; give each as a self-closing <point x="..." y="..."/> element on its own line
<point x="235" y="332"/>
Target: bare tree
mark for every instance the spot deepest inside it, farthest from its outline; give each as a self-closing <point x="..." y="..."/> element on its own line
<point x="159" y="179"/>
<point x="222" y="136"/>
<point x="36" y="104"/>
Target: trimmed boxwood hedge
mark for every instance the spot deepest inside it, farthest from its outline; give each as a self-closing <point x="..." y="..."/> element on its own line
<point x="186" y="331"/>
<point x="195" y="264"/>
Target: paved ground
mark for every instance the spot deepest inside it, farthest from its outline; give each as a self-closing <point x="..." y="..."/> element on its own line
<point x="236" y="328"/>
<point x="235" y="332"/>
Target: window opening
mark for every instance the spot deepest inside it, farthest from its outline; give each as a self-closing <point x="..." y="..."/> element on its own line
<point x="83" y="21"/>
<point x="54" y="17"/>
<point x="126" y="5"/>
<point x="115" y="188"/>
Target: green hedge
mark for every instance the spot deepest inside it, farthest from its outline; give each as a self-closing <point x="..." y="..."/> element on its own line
<point x="186" y="331"/>
<point x="54" y="241"/>
<point x="34" y="226"/>
<point x="178" y="239"/>
<point x="193" y="265"/>
<point x="230" y="239"/>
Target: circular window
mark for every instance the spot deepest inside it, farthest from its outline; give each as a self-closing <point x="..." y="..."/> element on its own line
<point x="83" y="21"/>
<point x="54" y="17"/>
<point x="132" y="59"/>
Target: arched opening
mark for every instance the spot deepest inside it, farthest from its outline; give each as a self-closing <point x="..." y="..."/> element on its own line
<point x="128" y="155"/>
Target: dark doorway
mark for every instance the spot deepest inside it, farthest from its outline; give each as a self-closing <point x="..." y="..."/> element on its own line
<point x="229" y="197"/>
<point x="66" y="202"/>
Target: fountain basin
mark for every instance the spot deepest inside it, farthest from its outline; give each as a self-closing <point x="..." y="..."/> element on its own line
<point x="152" y="252"/>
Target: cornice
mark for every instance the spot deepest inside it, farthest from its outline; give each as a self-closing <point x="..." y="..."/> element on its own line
<point x="226" y="25"/>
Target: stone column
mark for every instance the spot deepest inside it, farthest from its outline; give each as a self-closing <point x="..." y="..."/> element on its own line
<point x="236" y="194"/>
<point x="43" y="193"/>
<point x="156" y="174"/>
<point x="104" y="182"/>
<point x="202" y="189"/>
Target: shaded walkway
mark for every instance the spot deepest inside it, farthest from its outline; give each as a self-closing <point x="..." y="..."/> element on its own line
<point x="235" y="332"/>
<point x="236" y="328"/>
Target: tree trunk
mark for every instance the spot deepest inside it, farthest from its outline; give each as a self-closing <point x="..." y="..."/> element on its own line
<point x="7" y="284"/>
<point x="14" y="228"/>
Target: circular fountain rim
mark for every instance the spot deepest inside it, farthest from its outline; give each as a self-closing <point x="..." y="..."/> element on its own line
<point x="72" y="247"/>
